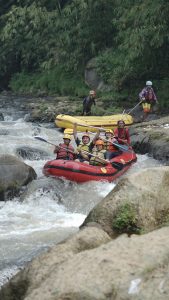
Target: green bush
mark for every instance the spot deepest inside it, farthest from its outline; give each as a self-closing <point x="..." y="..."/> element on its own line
<point x="162" y="91"/>
<point x="125" y="220"/>
<point x="55" y="81"/>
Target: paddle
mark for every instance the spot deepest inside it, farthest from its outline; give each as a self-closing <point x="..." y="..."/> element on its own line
<point x="43" y="140"/>
<point x="122" y="147"/>
<point x="134" y="107"/>
<point x="116" y="165"/>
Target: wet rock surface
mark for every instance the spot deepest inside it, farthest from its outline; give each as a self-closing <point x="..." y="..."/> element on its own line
<point x="93" y="264"/>
<point x="153" y="138"/>
<point x="13" y="175"/>
<point x="37" y="109"/>
<point x="1" y="117"/>
<point x="31" y="153"/>
<point x="138" y="204"/>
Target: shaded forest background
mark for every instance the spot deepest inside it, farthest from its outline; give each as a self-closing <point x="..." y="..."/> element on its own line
<point x="46" y="44"/>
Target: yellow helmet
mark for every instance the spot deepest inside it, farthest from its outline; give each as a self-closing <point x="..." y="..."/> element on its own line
<point x="109" y="131"/>
<point x="67" y="136"/>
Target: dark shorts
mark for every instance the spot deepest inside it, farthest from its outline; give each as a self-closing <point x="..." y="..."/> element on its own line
<point x="110" y="155"/>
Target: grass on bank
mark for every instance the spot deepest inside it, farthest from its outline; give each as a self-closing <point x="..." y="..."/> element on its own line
<point x="59" y="82"/>
<point x="55" y="82"/>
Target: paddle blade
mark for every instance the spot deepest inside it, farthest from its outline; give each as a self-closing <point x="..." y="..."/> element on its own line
<point x="40" y="139"/>
<point x="122" y="147"/>
<point x="117" y="165"/>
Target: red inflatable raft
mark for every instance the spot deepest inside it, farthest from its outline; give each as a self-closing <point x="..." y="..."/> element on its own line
<point x="81" y="172"/>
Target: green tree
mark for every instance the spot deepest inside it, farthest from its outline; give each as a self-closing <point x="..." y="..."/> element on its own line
<point x="24" y="38"/>
<point x="85" y="29"/>
<point x="142" y="42"/>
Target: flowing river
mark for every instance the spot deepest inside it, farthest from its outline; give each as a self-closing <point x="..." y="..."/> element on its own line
<point x="48" y="210"/>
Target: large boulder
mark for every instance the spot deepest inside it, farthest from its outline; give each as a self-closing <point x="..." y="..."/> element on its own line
<point x="92" y="78"/>
<point x="83" y="269"/>
<point x="138" y="114"/>
<point x="31" y="153"/>
<point x="139" y="203"/>
<point x="40" y="268"/>
<point x="91" y="266"/>
<point x="14" y="174"/>
<point x="152" y="138"/>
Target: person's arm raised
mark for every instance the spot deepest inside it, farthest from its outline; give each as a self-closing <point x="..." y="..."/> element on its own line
<point x="96" y="136"/>
<point x="75" y="131"/>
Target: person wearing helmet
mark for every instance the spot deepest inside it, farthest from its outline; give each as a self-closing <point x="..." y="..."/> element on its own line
<point x="109" y="144"/>
<point x="84" y="144"/>
<point x="122" y="134"/>
<point x="88" y="102"/>
<point x="148" y="98"/>
<point x="99" y="154"/>
<point x="65" y="150"/>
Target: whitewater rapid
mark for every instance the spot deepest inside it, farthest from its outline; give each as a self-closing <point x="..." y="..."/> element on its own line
<point x="48" y="210"/>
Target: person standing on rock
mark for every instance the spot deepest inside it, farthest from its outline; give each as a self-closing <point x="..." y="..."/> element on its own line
<point x="148" y="98"/>
<point x="88" y="102"/>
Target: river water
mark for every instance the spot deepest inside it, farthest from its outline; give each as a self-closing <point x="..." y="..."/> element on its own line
<point x="48" y="210"/>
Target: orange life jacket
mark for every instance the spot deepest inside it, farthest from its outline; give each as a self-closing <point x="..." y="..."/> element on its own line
<point x="108" y="146"/>
<point x="65" y="153"/>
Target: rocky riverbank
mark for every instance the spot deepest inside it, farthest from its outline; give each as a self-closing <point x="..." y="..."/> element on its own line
<point x="153" y="138"/>
<point x="121" y="250"/>
<point x="45" y="109"/>
<point x="39" y="109"/>
<point x="94" y="264"/>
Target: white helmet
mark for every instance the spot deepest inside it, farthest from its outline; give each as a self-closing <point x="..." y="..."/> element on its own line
<point x="149" y="83"/>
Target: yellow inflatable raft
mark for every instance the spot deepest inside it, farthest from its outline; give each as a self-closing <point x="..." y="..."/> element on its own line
<point x="91" y="123"/>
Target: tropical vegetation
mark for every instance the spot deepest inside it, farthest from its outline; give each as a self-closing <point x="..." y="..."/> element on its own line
<point x="46" y="44"/>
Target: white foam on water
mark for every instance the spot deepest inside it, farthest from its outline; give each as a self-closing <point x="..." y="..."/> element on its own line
<point x="29" y="227"/>
<point x="38" y="213"/>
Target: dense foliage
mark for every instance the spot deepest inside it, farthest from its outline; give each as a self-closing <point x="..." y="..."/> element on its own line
<point x="129" y="39"/>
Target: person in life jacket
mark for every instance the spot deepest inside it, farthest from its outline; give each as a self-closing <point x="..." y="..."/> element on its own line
<point x="84" y="144"/>
<point x="148" y="98"/>
<point x="88" y="102"/>
<point x="65" y="150"/>
<point x="99" y="154"/>
<point x="109" y="145"/>
<point x="122" y="134"/>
